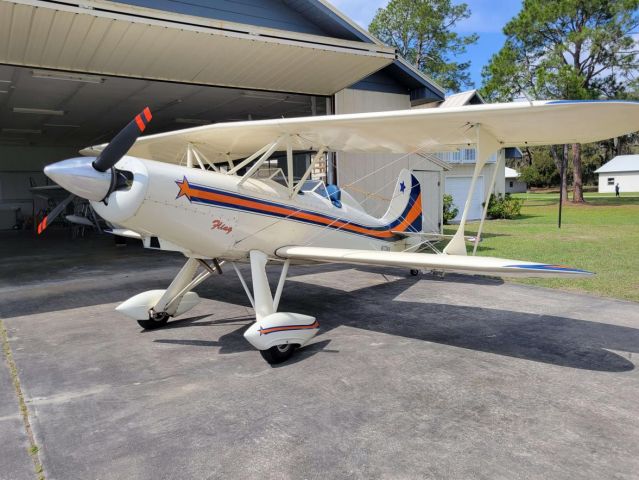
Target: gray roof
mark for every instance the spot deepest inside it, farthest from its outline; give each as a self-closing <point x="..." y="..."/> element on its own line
<point x="470" y="97"/>
<point x="621" y="163"/>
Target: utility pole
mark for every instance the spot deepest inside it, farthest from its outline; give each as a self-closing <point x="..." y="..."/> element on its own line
<point x="562" y="173"/>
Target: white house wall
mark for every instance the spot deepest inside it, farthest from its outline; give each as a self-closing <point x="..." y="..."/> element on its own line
<point x="466" y="170"/>
<point x="354" y="170"/>
<point x="628" y="182"/>
<point x="518" y="186"/>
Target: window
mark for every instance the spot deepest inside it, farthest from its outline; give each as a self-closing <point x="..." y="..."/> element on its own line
<point x="511" y="184"/>
<point x="611" y="180"/>
<point x="463" y="155"/>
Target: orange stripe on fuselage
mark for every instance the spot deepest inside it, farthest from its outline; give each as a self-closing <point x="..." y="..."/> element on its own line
<point x="415" y="211"/>
<point x="216" y="197"/>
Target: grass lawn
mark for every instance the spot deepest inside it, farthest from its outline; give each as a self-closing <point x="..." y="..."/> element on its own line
<point x="601" y="236"/>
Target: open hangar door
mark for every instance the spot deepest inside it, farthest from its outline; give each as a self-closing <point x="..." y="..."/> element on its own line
<point x="48" y="115"/>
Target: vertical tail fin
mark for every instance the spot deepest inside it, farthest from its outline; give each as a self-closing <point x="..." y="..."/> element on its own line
<point x="404" y="213"/>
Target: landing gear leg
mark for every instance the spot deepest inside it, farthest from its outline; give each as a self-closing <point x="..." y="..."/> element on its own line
<point x="154" y="308"/>
<point x="275" y="334"/>
<point x="265" y="305"/>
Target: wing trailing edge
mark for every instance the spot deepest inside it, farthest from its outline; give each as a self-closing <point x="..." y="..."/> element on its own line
<point x="448" y="263"/>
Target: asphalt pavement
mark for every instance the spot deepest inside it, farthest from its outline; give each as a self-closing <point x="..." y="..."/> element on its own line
<point x="409" y="377"/>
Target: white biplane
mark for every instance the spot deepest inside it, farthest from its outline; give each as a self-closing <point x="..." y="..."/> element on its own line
<point x="214" y="216"/>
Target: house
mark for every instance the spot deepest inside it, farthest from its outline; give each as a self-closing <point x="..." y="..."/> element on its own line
<point x="513" y="184"/>
<point x="462" y="164"/>
<point x="622" y="170"/>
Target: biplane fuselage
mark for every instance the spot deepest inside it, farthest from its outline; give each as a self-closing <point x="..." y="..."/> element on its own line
<point x="211" y="215"/>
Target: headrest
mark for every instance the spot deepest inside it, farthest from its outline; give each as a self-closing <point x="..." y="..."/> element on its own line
<point x="334" y="194"/>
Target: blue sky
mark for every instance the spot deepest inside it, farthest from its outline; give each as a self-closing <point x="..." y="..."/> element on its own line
<point x="487" y="19"/>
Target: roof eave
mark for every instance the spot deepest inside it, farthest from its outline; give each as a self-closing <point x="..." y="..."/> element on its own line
<point x="365" y="34"/>
<point x="425" y="79"/>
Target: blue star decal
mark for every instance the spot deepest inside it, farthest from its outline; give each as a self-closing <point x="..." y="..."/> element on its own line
<point x="402" y="187"/>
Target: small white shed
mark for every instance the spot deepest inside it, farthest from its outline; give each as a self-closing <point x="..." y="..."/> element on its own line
<point x="622" y="170"/>
<point x="513" y="183"/>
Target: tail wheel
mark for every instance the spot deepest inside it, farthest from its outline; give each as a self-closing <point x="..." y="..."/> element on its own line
<point x="156" y="320"/>
<point x="278" y="353"/>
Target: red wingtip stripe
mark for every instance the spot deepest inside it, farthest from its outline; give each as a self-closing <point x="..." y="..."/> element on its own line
<point x="140" y="123"/>
<point x="147" y="114"/>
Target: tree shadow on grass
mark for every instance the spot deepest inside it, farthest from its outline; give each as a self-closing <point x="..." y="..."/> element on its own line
<point x="611" y="201"/>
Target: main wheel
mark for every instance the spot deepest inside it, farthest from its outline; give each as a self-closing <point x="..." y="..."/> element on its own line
<point x="278" y="353"/>
<point x="414" y="272"/>
<point x="156" y="320"/>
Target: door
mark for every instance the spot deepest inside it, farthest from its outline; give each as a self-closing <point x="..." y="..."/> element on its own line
<point x="431" y="200"/>
<point x="458" y="187"/>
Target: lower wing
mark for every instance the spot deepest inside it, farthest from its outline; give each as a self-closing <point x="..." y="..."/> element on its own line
<point x="449" y="263"/>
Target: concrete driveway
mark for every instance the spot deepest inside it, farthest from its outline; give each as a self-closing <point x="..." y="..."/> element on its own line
<point x="409" y="378"/>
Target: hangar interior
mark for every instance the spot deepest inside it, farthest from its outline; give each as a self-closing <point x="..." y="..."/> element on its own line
<point x="73" y="75"/>
<point x="50" y="115"/>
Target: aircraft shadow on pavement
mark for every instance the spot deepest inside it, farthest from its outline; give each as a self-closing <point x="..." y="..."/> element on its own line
<point x="548" y="339"/>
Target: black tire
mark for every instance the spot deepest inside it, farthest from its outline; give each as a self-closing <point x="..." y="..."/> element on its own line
<point x="278" y="353"/>
<point x="157" y="321"/>
<point x="414" y="272"/>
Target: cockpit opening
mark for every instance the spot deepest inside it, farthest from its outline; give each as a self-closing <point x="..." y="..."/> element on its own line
<point x="330" y="192"/>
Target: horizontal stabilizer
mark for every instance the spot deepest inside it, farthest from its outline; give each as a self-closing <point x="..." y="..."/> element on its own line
<point x="430" y="236"/>
<point x="448" y="263"/>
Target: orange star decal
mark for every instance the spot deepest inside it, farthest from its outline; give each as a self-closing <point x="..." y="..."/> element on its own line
<point x="185" y="188"/>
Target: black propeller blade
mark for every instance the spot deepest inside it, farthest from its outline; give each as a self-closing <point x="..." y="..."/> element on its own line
<point x="46" y="221"/>
<point x="122" y="142"/>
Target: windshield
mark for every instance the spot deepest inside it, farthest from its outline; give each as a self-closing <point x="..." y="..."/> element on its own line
<point x="316" y="186"/>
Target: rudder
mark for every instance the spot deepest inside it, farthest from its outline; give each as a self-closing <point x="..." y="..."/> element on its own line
<point x="404" y="213"/>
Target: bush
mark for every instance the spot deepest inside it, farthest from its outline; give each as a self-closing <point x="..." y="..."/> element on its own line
<point x="450" y="211"/>
<point x="504" y="206"/>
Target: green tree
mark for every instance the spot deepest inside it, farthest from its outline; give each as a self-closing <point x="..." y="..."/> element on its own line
<point x="422" y="32"/>
<point x="542" y="171"/>
<point x="571" y="49"/>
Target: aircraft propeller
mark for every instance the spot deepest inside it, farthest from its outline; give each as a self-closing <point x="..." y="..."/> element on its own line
<point x="95" y="180"/>
<point x="54" y="213"/>
<point x="122" y="142"/>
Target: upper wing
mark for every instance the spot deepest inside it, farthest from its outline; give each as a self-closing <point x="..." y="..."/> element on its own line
<point x="450" y="263"/>
<point x="403" y="131"/>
